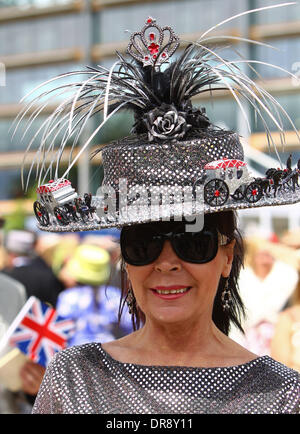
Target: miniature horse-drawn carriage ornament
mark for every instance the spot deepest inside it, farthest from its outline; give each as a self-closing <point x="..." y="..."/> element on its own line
<point x="58" y="202"/>
<point x="230" y="178"/>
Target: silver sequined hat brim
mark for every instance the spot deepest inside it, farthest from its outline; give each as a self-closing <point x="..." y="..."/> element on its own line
<point x="165" y="166"/>
<point x="166" y="212"/>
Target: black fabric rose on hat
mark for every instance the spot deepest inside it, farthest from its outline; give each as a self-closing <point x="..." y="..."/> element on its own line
<point x="165" y="123"/>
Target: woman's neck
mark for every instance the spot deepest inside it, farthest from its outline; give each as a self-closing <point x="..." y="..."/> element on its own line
<point x="202" y="346"/>
<point x="179" y="344"/>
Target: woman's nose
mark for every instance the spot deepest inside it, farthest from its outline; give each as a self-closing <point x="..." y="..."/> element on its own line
<point x="167" y="260"/>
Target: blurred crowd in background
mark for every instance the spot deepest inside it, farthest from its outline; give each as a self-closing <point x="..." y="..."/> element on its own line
<point x="77" y="274"/>
<point x="80" y="276"/>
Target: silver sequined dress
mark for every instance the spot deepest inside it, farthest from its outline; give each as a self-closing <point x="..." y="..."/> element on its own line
<point x="86" y="379"/>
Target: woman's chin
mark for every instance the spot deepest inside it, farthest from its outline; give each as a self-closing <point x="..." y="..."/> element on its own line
<point x="170" y="315"/>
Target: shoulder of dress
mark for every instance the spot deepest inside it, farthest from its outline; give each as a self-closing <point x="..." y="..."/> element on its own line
<point x="76" y="355"/>
<point x="288" y="375"/>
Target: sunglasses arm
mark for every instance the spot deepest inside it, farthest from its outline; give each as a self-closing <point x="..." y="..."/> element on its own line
<point x="223" y="239"/>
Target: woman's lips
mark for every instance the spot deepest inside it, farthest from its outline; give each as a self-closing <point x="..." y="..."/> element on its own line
<point x="170" y="292"/>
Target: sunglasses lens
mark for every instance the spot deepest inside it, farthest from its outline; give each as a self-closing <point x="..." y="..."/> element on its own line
<point x="140" y="249"/>
<point x="196" y="247"/>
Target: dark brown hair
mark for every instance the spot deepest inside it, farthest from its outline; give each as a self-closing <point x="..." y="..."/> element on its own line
<point x="226" y="223"/>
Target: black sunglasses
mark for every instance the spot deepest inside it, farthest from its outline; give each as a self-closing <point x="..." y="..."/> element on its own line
<point x="142" y="246"/>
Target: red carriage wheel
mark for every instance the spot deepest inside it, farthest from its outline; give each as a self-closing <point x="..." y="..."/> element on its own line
<point x="41" y="213"/>
<point x="253" y="193"/>
<point x="216" y="192"/>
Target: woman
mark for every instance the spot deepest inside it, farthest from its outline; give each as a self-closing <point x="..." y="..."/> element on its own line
<point x="180" y="360"/>
<point x="285" y="345"/>
<point x="181" y="283"/>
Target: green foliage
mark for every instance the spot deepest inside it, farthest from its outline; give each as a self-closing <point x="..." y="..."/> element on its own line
<point x="16" y="220"/>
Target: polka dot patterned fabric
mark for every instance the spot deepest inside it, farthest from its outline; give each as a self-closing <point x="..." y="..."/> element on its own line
<point x="86" y="379"/>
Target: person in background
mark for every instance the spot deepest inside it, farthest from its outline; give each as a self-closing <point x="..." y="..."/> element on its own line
<point x="19" y="246"/>
<point x="266" y="285"/>
<point x="25" y="264"/>
<point x="93" y="304"/>
<point x="61" y="255"/>
<point x="285" y="345"/>
<point x="12" y="299"/>
<point x="110" y="243"/>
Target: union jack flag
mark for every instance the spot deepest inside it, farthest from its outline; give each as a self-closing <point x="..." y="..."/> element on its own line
<point x="39" y="332"/>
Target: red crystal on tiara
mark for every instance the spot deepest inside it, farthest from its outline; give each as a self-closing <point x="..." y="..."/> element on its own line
<point x="153" y="48"/>
<point x="153" y="45"/>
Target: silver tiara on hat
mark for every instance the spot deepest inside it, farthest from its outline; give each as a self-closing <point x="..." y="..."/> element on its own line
<point x="176" y="163"/>
<point x="153" y="45"/>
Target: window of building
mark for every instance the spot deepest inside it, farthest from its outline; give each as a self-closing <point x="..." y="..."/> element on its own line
<point x="8" y="142"/>
<point x="19" y="82"/>
<point x="117" y="126"/>
<point x="96" y="177"/>
<point x="277" y="15"/>
<point x="184" y="16"/>
<point x="28" y="3"/>
<point x="246" y="222"/>
<point x="286" y="55"/>
<point x="10" y="184"/>
<point x="221" y="112"/>
<point x="29" y="36"/>
<point x="291" y="105"/>
<point x="280" y="225"/>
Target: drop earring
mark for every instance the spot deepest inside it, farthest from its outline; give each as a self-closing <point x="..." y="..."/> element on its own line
<point x="226" y="297"/>
<point x="130" y="300"/>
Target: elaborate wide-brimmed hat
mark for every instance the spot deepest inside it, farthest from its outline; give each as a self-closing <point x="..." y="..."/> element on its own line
<point x="176" y="163"/>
